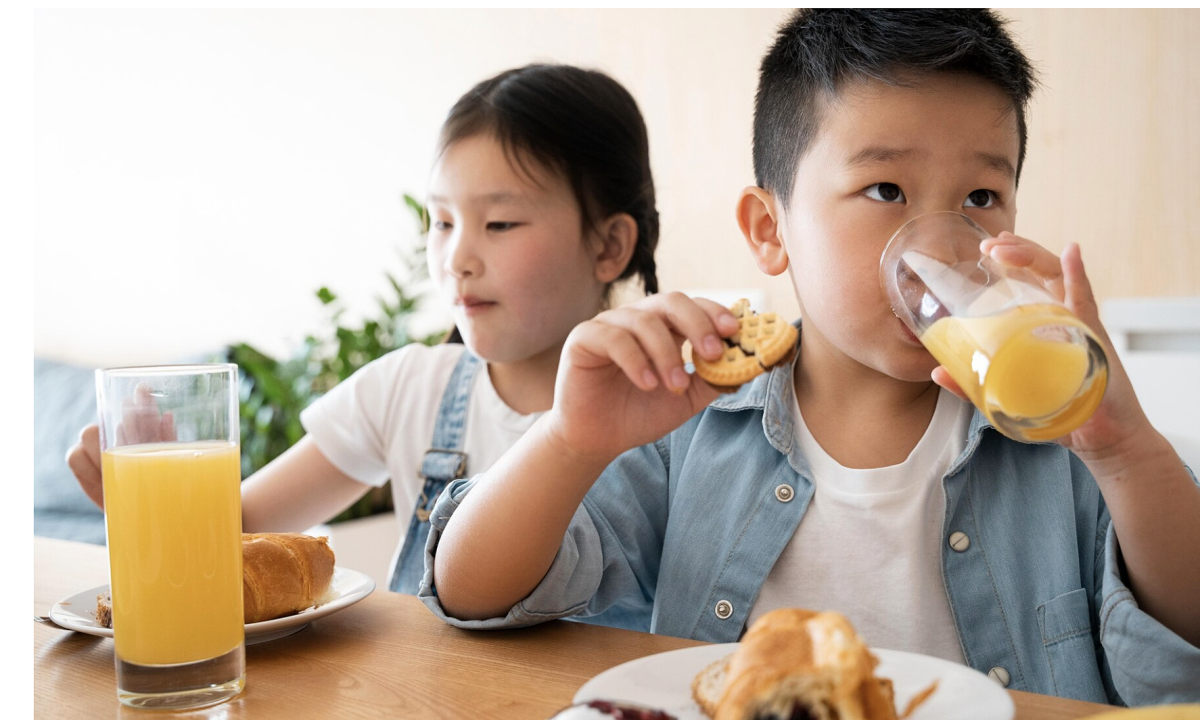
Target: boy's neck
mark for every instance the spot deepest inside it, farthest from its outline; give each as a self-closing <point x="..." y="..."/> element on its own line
<point x="527" y="386"/>
<point x="845" y="402"/>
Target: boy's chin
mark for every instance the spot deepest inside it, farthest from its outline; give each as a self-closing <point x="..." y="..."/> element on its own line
<point x="917" y="366"/>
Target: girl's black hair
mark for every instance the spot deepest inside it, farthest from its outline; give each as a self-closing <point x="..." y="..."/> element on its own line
<point x="580" y="123"/>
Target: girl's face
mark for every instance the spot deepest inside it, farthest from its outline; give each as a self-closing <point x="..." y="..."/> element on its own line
<point x="507" y="252"/>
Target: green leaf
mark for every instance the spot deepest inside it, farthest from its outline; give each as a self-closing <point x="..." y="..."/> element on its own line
<point x="326" y="296"/>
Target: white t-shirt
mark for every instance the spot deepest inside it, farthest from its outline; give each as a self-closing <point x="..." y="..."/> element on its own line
<point x="869" y="545"/>
<point x="378" y="423"/>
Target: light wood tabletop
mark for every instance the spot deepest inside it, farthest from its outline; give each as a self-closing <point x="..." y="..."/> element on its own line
<point x="386" y="656"/>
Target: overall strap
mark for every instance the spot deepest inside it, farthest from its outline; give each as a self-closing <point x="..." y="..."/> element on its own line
<point x="444" y="461"/>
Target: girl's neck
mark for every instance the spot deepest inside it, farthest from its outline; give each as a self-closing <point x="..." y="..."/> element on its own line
<point x="844" y="403"/>
<point x="527" y="386"/>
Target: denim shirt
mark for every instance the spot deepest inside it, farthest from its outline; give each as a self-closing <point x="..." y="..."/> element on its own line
<point x="677" y="537"/>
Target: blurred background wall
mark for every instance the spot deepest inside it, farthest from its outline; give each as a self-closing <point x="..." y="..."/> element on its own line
<point x="201" y="173"/>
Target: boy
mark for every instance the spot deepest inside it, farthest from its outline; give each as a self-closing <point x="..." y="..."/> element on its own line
<point x="847" y="480"/>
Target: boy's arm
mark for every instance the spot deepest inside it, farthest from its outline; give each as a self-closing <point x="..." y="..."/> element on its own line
<point x="1153" y="501"/>
<point x="620" y="384"/>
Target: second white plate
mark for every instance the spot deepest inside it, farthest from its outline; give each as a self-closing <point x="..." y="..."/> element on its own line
<point x="78" y="612"/>
<point x="664" y="682"/>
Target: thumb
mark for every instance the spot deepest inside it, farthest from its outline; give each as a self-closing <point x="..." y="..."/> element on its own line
<point x="941" y="376"/>
<point x="1079" y="297"/>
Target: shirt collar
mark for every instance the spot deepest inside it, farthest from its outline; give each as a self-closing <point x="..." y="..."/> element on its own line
<point x="773" y="392"/>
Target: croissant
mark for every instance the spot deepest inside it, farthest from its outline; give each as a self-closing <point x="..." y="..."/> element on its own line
<point x="796" y="663"/>
<point x="282" y="573"/>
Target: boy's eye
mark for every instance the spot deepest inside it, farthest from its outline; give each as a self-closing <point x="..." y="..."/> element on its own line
<point x="441" y="225"/>
<point x="502" y="226"/>
<point x="885" y="192"/>
<point x="980" y="199"/>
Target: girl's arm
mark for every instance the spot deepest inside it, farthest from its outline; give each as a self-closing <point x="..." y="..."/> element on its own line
<point x="620" y="384"/>
<point x="295" y="491"/>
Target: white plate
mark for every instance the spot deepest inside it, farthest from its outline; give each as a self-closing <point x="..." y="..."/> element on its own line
<point x="664" y="682"/>
<point x="78" y="612"/>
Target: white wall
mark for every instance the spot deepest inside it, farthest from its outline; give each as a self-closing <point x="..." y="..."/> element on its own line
<point x="201" y="173"/>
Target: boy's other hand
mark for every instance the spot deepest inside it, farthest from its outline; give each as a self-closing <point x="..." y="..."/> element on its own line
<point x="1119" y="420"/>
<point x="621" y="381"/>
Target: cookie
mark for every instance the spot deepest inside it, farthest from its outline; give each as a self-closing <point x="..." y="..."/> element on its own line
<point x="761" y="342"/>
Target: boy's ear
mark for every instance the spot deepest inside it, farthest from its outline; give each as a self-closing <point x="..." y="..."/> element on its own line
<point x="759" y="218"/>
<point x="618" y="237"/>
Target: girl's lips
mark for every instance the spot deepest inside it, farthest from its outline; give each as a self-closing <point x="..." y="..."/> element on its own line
<point x="473" y="306"/>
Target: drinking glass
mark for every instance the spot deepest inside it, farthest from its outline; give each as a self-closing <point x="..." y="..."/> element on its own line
<point x="173" y="514"/>
<point x="1032" y="368"/>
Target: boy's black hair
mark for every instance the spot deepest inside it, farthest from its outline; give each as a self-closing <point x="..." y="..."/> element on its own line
<point x="818" y="51"/>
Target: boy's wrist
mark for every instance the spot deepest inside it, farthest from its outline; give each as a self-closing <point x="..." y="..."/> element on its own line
<point x="560" y="444"/>
<point x="1143" y="450"/>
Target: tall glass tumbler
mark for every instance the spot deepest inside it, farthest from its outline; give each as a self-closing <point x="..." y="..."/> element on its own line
<point x="173" y="512"/>
<point x="1032" y="368"/>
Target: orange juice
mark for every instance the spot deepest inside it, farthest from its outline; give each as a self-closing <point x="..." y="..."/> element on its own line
<point x="1021" y="368"/>
<point x="174" y="515"/>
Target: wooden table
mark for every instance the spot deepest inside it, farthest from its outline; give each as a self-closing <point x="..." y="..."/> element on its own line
<point x="386" y="656"/>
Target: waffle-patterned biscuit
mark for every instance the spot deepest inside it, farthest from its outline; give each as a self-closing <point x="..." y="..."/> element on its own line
<point x="761" y="342"/>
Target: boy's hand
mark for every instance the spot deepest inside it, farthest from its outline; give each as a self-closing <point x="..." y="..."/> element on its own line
<point x="1119" y="420"/>
<point x="621" y="381"/>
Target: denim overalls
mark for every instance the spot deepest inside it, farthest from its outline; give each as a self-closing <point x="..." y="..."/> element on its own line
<point x="444" y="461"/>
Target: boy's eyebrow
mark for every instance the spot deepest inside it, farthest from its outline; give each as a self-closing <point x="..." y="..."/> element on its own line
<point x="877" y="154"/>
<point x="999" y="163"/>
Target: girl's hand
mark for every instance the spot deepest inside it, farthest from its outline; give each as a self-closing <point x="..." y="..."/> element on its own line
<point x="621" y="381"/>
<point x="1119" y="419"/>
<point x="141" y="422"/>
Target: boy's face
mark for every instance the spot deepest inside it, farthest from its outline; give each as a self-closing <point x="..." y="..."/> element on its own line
<point x="882" y="156"/>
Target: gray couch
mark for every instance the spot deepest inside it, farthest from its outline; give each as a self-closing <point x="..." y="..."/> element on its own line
<point x="64" y="400"/>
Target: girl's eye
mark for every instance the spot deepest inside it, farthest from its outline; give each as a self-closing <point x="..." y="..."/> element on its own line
<point x="441" y="225"/>
<point x="885" y="192"/>
<point x="980" y="199"/>
<point x="501" y="226"/>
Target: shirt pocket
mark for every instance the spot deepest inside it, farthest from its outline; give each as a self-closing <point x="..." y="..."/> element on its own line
<point x="1070" y="644"/>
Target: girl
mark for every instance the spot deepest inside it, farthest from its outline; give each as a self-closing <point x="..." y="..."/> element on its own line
<point x="540" y="199"/>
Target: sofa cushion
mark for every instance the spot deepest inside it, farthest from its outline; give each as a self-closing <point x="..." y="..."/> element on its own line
<point x="64" y="401"/>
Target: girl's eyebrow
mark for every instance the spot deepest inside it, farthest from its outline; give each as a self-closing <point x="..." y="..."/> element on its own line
<point x="493" y="198"/>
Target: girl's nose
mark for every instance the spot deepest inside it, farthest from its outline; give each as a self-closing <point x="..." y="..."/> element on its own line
<point x="462" y="259"/>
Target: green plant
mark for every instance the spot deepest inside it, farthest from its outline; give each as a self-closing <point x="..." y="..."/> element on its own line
<point x="273" y="391"/>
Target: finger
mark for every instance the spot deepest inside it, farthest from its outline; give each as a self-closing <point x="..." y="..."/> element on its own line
<point x="942" y="377"/>
<point x="1015" y="251"/>
<point x="690" y="319"/>
<point x="88" y="474"/>
<point x="168" y="427"/>
<point x="658" y="342"/>
<point x="597" y="343"/>
<point x="725" y="321"/>
<point x="89" y="441"/>
<point x="1079" y="297"/>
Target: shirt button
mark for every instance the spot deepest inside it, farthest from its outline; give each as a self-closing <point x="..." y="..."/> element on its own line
<point x="784" y="493"/>
<point x="1000" y="675"/>
<point x="724" y="609"/>
<point x="960" y="542"/>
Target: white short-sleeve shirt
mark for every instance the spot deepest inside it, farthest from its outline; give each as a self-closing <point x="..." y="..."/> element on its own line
<point x="870" y="544"/>
<point x="377" y="424"/>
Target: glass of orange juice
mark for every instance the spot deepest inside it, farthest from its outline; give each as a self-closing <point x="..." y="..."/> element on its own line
<point x="1032" y="368"/>
<point x="173" y="513"/>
